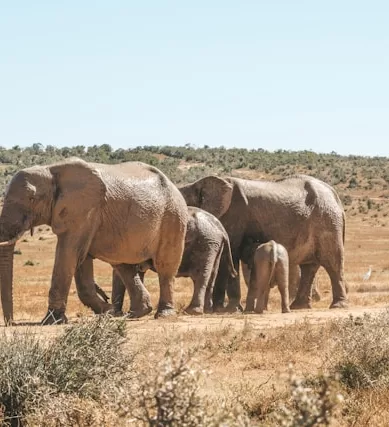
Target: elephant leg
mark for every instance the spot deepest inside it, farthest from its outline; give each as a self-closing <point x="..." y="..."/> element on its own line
<point x="219" y="290"/>
<point x="304" y="293"/>
<point x="196" y="305"/>
<point x="262" y="295"/>
<point x="246" y="273"/>
<point x="208" y="305"/>
<point x="294" y="279"/>
<point x="166" y="263"/>
<point x="140" y="297"/>
<point x="201" y="279"/>
<point x="282" y="277"/>
<point x="66" y="259"/>
<point x="233" y="289"/>
<point x="250" y="300"/>
<point x="252" y="292"/>
<point x="334" y="268"/>
<point x="118" y="291"/>
<point x="86" y="287"/>
<point x="266" y="300"/>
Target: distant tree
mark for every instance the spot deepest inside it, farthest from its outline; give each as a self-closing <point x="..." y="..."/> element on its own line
<point x="37" y="148"/>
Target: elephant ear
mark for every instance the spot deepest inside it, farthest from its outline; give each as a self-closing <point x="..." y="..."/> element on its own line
<point x="215" y="195"/>
<point x="78" y="191"/>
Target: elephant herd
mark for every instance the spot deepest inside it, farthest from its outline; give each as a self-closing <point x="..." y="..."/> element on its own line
<point x="133" y="217"/>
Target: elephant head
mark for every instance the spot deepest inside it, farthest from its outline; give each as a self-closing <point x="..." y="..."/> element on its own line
<point x="43" y="195"/>
<point x="211" y="193"/>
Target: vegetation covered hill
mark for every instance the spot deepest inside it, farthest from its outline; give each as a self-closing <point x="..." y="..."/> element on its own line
<point x="362" y="182"/>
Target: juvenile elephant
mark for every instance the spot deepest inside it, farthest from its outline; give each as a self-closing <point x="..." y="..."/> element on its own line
<point x="294" y="280"/>
<point x="206" y="243"/>
<point x="269" y="266"/>
<point x="302" y="213"/>
<point x="121" y="214"/>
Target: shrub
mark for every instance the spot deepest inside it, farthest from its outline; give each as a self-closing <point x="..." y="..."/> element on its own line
<point x="361" y="352"/>
<point x="87" y="353"/>
<point x="171" y="396"/>
<point x="310" y="406"/>
<point x="80" y="363"/>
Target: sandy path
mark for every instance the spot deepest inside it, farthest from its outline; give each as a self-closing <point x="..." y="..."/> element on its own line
<point x="214" y="322"/>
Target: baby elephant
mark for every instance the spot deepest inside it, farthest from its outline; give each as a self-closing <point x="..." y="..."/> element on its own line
<point x="206" y="245"/>
<point x="269" y="264"/>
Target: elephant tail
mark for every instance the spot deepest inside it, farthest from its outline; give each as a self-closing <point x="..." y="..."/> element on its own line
<point x="228" y="256"/>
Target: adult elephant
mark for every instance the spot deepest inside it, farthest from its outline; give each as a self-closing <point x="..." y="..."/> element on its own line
<point x="121" y="214"/>
<point x="302" y="213"/>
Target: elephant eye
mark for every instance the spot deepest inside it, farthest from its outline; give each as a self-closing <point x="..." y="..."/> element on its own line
<point x="202" y="197"/>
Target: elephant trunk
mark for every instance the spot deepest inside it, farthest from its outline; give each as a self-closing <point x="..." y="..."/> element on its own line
<point x="6" y="280"/>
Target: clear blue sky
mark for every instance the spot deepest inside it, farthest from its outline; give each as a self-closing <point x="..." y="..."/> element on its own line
<point x="256" y="74"/>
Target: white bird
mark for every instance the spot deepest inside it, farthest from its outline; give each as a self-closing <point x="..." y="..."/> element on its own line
<point x="367" y="275"/>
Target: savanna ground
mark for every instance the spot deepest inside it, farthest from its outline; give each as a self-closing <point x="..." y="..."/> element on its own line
<point x="271" y="369"/>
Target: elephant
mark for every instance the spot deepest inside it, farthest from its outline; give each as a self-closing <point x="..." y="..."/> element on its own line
<point x="121" y="214"/>
<point x="300" y="212"/>
<point x="294" y="280"/>
<point x="206" y="243"/>
<point x="269" y="266"/>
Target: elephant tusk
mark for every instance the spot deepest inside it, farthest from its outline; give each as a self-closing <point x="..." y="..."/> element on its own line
<point x="12" y="241"/>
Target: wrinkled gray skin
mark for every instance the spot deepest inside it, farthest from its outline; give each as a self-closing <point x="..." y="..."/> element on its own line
<point x="269" y="266"/>
<point x="121" y="214"/>
<point x="302" y="213"/>
<point x="206" y="243"/>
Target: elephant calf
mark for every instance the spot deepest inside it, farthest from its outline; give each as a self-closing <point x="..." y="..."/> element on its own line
<point x="269" y="265"/>
<point x="206" y="243"/>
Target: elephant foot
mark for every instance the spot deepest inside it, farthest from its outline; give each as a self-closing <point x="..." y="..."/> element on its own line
<point x="164" y="310"/>
<point x="234" y="308"/>
<point x="54" y="317"/>
<point x="218" y="309"/>
<point x="194" y="310"/>
<point x="115" y="313"/>
<point x="208" y="310"/>
<point x="286" y="310"/>
<point x="9" y="322"/>
<point x="300" y="305"/>
<point x="136" y="314"/>
<point x="339" y="304"/>
<point x="103" y="307"/>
